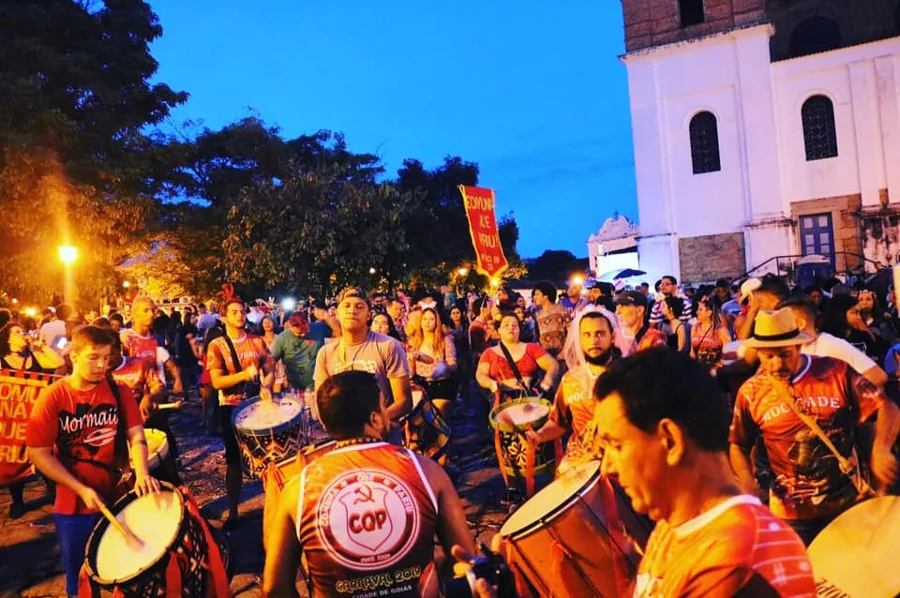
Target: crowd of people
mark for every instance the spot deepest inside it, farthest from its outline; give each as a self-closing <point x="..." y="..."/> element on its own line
<point x="741" y="419"/>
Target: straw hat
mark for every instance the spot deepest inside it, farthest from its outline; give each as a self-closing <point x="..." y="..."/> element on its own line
<point x="772" y="329"/>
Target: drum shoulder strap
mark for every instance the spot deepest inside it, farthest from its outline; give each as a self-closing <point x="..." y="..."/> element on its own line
<point x="513" y="365"/>
<point x="120" y="448"/>
<point x="234" y="356"/>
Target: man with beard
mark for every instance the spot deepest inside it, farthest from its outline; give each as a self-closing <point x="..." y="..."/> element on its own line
<point x="367" y="511"/>
<point x="240" y="368"/>
<point x="588" y="351"/>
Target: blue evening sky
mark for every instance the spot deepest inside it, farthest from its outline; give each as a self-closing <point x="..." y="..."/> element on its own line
<point x="532" y="91"/>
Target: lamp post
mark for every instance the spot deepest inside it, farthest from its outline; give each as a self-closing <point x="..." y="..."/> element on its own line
<point x="68" y="254"/>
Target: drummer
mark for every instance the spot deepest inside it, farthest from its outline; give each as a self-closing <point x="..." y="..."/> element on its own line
<point x="663" y="424"/>
<point x="366" y="499"/>
<point x="77" y="435"/>
<point x="143" y="381"/>
<point x="510" y="369"/>
<point x="588" y="351"/>
<point x="358" y="348"/>
<point x="236" y="382"/>
<point x="809" y="489"/>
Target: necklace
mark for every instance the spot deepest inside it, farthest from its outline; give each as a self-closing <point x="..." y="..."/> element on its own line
<point x="355" y="441"/>
<point x="348" y="365"/>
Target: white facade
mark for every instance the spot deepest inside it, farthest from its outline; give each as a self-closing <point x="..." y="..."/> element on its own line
<point x="764" y="169"/>
<point x="614" y="246"/>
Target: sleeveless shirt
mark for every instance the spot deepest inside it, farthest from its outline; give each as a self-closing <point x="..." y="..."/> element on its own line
<point x="366" y="519"/>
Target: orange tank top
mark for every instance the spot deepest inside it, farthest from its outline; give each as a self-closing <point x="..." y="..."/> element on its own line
<point x="366" y="519"/>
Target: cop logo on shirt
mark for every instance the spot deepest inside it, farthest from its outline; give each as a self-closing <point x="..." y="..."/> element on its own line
<point x="367" y="519"/>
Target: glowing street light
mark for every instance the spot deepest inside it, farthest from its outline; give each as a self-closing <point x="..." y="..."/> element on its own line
<point x="462" y="271"/>
<point x="68" y="254"/>
<point x="371" y="270"/>
<point x="30" y="312"/>
<point x="495" y="282"/>
<point x="126" y="284"/>
<point x="579" y="280"/>
<point x="15" y="301"/>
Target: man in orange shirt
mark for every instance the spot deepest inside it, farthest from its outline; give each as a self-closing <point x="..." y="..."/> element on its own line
<point x="588" y="352"/>
<point x="663" y="424"/>
<point x="809" y="488"/>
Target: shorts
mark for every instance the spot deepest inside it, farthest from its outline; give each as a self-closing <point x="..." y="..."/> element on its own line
<point x="232" y="448"/>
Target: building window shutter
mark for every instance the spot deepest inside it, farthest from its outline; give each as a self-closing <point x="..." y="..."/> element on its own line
<point x="819" y="131"/>
<point x="704" y="143"/>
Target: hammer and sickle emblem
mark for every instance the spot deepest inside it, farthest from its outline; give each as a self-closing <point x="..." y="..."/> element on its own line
<point x="365" y="492"/>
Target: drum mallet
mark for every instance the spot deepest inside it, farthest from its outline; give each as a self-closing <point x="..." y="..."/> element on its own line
<point x="121" y="527"/>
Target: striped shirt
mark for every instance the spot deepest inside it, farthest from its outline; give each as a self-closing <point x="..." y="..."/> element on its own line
<point x="656" y="316"/>
<point x="737" y="548"/>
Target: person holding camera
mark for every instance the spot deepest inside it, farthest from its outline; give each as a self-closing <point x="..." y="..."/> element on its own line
<point x="365" y="515"/>
<point x="240" y="368"/>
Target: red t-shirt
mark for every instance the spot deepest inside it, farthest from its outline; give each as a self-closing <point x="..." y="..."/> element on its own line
<point x="737" y="548"/>
<point x="500" y="369"/>
<point x="808" y="481"/>
<point x="368" y="515"/>
<point x="81" y="425"/>
<point x="136" y="375"/>
<point x="573" y="406"/>
<point x="139" y="347"/>
<point x="250" y="349"/>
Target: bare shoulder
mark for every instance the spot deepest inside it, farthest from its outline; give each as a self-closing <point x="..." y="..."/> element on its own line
<point x="434" y="473"/>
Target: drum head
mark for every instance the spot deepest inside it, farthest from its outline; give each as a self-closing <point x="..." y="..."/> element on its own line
<point x="857" y="552"/>
<point x="518" y="414"/>
<point x="157" y="446"/>
<point x="154" y="518"/>
<point x="552" y="500"/>
<point x="259" y="415"/>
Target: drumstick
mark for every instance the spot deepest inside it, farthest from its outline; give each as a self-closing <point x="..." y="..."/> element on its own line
<point x="121" y="527"/>
<point x="175" y="405"/>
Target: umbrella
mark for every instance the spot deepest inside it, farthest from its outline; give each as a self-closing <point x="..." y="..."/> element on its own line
<point x="619" y="274"/>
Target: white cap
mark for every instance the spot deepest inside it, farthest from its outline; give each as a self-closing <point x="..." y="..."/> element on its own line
<point x="750" y="285"/>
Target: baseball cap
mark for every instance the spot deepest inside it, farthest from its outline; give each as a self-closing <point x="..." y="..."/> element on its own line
<point x="635" y="298"/>
<point x="353" y="292"/>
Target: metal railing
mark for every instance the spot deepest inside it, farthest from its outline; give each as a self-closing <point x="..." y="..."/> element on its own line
<point x="786" y="265"/>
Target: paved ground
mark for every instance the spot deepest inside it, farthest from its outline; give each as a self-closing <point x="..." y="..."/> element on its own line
<point x="29" y="557"/>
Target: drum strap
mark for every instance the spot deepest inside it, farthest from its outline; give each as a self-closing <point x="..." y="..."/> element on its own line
<point x="514" y="367"/>
<point x="861" y="485"/>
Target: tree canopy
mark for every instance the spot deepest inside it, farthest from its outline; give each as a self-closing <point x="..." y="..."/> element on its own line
<point x="83" y="161"/>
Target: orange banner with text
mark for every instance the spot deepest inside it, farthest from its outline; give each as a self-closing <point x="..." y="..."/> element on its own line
<point x="479" y="205"/>
<point x="18" y="393"/>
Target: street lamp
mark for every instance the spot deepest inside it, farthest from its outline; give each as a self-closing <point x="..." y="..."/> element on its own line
<point x="495" y="283"/>
<point x="68" y="254"/>
<point x="371" y="270"/>
<point x="462" y="271"/>
<point x="126" y="284"/>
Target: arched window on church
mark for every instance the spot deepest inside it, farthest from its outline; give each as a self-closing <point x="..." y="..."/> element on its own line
<point x="691" y="12"/>
<point x="704" y="134"/>
<point x="819" y="131"/>
<point x="814" y="35"/>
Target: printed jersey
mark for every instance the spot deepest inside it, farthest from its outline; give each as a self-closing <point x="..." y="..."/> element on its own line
<point x="139" y="347"/>
<point x="135" y="374"/>
<point x="737" y="548"/>
<point x="808" y="481"/>
<point x="82" y="425"/>
<point x="366" y="520"/>
<point x="573" y="408"/>
<point x="251" y="350"/>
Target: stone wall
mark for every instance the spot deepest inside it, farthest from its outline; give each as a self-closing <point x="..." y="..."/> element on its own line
<point x="844" y="210"/>
<point x="708" y="257"/>
<point x="656" y="22"/>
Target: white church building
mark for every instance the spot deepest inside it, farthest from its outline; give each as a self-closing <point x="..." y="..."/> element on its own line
<point x="764" y="128"/>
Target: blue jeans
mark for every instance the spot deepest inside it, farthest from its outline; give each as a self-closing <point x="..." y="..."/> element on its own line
<point x="72" y="532"/>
